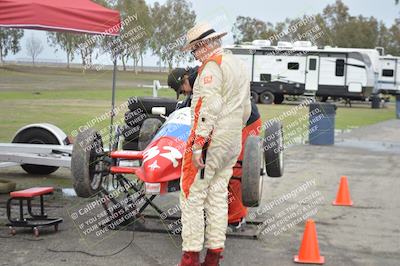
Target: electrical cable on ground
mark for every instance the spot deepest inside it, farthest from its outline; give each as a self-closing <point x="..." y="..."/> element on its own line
<point x="95" y="255"/>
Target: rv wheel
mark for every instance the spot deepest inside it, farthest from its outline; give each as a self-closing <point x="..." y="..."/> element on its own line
<point x="279" y="98"/>
<point x="273" y="149"/>
<point x="254" y="97"/>
<point x="148" y="131"/>
<point x="87" y="165"/>
<point x="267" y="97"/>
<point x="251" y="175"/>
<point x="322" y="98"/>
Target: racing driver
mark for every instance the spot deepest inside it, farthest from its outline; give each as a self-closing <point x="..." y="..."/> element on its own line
<point x="220" y="108"/>
<point x="182" y="81"/>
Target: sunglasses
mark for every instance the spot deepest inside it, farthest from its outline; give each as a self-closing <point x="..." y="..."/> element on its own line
<point x="193" y="52"/>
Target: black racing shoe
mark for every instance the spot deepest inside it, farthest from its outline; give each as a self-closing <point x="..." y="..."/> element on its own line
<point x="234" y="227"/>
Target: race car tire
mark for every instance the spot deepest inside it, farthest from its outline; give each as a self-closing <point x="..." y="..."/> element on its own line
<point x="135" y="118"/>
<point x="252" y="181"/>
<point x="267" y="97"/>
<point x="87" y="147"/>
<point x="279" y="98"/>
<point x="273" y="147"/>
<point x="130" y="145"/>
<point x="148" y="131"/>
<point x="35" y="135"/>
<point x="130" y="133"/>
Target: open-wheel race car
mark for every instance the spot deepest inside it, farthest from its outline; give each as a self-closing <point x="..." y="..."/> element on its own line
<point x="154" y="167"/>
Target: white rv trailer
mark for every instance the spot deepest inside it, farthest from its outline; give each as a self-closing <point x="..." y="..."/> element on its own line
<point x="295" y="69"/>
<point x="389" y="75"/>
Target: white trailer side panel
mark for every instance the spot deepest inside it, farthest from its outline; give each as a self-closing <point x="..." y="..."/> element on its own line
<point x="356" y="74"/>
<point x="281" y="68"/>
<point x="328" y="66"/>
<point x="247" y="59"/>
<point x="387" y="73"/>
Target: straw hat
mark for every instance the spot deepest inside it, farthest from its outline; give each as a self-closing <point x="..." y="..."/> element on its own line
<point x="200" y="33"/>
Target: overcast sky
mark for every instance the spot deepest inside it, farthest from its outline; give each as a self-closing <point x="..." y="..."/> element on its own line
<point x="228" y="10"/>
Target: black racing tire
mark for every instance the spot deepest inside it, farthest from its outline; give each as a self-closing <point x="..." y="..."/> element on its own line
<point x="135" y="118"/>
<point x="147" y="103"/>
<point x="267" y="97"/>
<point x="87" y="147"/>
<point x="135" y="121"/>
<point x="279" y="98"/>
<point x="252" y="181"/>
<point x="273" y="147"/>
<point x="130" y="133"/>
<point x="130" y="145"/>
<point x="255" y="97"/>
<point x="6" y="186"/>
<point x="148" y="131"/>
<point x="37" y="135"/>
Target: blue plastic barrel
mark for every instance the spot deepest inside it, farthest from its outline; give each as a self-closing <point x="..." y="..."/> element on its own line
<point x="322" y="124"/>
<point x="398" y="106"/>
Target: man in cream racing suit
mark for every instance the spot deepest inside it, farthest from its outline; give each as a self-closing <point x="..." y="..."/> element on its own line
<point x="220" y="108"/>
<point x="182" y="81"/>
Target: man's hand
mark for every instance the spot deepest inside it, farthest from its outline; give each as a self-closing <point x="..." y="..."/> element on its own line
<point x="197" y="159"/>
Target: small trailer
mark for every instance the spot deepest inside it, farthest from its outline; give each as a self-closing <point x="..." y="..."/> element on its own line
<point x="389" y="75"/>
<point x="39" y="148"/>
<point x="300" y="68"/>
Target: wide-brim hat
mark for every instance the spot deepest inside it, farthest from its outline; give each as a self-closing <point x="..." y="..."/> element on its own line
<point x="202" y="32"/>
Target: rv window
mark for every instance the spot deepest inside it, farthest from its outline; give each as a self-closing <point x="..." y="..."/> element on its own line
<point x="339" y="67"/>
<point x="265" y="77"/>
<point x="312" y="64"/>
<point x="293" y="65"/>
<point x="387" y="72"/>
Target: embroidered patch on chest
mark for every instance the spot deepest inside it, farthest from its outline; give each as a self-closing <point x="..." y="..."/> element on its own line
<point x="208" y="79"/>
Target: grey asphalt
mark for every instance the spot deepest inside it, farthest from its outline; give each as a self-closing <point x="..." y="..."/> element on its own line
<point x="368" y="233"/>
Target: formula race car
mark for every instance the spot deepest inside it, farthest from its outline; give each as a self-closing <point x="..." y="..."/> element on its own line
<point x="154" y="168"/>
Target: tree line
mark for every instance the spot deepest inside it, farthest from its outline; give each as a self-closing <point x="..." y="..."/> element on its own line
<point x="155" y="28"/>
<point x="334" y="26"/>
<point x="161" y="28"/>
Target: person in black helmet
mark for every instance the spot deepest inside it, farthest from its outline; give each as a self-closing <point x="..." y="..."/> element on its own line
<point x="182" y="80"/>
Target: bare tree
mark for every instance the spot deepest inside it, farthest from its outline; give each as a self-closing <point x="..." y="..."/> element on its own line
<point x="34" y="47"/>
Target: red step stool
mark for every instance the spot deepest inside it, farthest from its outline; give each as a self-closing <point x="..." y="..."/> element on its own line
<point x="35" y="220"/>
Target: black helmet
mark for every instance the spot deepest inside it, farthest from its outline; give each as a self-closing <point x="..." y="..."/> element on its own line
<point x="175" y="78"/>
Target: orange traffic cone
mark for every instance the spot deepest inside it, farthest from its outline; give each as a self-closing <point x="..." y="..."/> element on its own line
<point x="343" y="194"/>
<point x="309" y="250"/>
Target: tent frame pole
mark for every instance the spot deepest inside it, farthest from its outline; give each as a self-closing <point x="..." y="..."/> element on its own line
<point x="112" y="113"/>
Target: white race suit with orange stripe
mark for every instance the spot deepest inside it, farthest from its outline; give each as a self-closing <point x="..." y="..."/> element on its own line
<point x="220" y="109"/>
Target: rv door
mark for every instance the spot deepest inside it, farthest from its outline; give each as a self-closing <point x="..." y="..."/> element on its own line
<point x="312" y="71"/>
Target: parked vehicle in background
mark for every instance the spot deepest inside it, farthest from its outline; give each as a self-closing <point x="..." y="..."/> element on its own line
<point x="389" y="75"/>
<point x="300" y="68"/>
